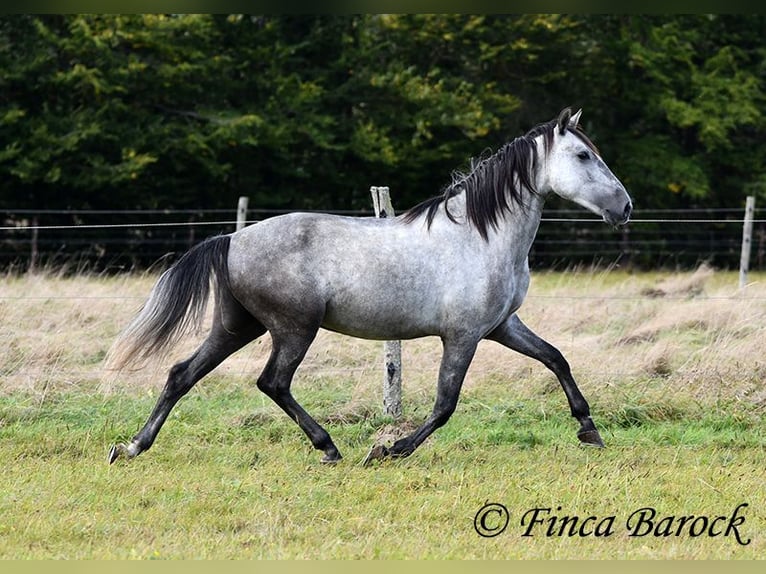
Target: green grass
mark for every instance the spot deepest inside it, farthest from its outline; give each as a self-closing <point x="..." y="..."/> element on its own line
<point x="232" y="477"/>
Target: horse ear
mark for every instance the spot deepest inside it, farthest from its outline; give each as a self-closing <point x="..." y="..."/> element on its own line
<point x="563" y="121"/>
<point x="575" y="119"/>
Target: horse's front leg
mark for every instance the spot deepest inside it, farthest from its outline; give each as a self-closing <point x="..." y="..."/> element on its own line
<point x="457" y="356"/>
<point x="517" y="336"/>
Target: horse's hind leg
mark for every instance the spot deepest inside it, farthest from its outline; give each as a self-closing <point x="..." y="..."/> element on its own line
<point x="232" y="329"/>
<point x="288" y="350"/>
<point x="517" y="336"/>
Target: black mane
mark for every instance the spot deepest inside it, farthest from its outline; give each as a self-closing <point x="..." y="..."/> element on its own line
<point x="494" y="183"/>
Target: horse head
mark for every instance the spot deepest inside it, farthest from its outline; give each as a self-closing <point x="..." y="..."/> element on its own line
<point x="575" y="170"/>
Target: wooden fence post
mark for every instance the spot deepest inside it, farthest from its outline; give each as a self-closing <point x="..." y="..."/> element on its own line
<point x="392" y="350"/>
<point x="35" y="251"/>
<point x="747" y="238"/>
<point x="242" y="212"/>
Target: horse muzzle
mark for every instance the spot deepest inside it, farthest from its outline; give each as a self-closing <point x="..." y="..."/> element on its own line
<point x="619" y="216"/>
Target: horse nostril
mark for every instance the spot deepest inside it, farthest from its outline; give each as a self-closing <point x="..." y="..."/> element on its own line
<point x="628" y="210"/>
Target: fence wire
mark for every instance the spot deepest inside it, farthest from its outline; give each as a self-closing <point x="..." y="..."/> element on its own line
<point x="101" y="240"/>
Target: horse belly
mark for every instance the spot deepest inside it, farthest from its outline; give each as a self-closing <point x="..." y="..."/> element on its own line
<point x="380" y="314"/>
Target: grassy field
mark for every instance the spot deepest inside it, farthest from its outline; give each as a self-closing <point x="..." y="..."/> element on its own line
<point x="672" y="364"/>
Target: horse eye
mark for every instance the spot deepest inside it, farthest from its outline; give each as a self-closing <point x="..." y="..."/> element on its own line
<point x="583" y="155"/>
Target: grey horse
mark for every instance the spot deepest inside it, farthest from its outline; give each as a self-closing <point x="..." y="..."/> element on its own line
<point x="455" y="266"/>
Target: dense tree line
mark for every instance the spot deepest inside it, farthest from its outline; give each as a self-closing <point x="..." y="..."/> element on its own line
<point x="186" y="111"/>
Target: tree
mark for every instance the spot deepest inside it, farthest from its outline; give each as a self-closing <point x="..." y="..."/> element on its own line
<point x="684" y="94"/>
<point x="191" y="111"/>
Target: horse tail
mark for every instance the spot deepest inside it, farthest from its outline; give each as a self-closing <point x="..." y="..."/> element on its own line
<point x="176" y="304"/>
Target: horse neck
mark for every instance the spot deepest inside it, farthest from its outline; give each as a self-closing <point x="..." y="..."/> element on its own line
<point x="515" y="231"/>
<point x="517" y="228"/>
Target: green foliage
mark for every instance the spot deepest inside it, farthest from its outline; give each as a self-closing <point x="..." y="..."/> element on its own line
<point x="182" y="111"/>
<point x="702" y="98"/>
<point x="245" y="486"/>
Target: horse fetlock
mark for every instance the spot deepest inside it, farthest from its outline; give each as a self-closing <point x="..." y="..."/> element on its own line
<point x="402" y="447"/>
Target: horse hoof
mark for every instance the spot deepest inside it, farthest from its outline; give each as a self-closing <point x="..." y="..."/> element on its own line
<point x="377" y="452"/>
<point x="590" y="438"/>
<point x="122" y="450"/>
<point x="116" y="452"/>
<point x="331" y="458"/>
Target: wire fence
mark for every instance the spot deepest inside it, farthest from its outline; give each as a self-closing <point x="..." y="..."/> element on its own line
<point x="114" y="241"/>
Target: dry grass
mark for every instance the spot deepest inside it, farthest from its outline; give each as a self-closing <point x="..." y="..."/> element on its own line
<point x="657" y="335"/>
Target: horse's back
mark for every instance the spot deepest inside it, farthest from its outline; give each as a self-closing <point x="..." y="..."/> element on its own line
<point x="315" y="242"/>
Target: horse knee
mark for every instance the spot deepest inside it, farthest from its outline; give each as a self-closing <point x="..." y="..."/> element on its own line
<point x="555" y="360"/>
<point x="266" y="386"/>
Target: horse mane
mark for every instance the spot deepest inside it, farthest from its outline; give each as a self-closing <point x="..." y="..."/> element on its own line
<point x="496" y="182"/>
